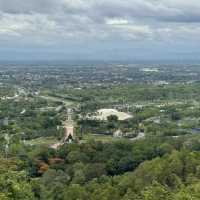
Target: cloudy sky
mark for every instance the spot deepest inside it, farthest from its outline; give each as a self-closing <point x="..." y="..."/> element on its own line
<point x="100" y="29"/>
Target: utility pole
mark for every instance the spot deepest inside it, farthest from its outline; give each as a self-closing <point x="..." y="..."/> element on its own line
<point x="23" y="138"/>
<point x="7" y="139"/>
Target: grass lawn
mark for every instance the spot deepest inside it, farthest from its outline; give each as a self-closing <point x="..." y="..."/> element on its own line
<point x="47" y="141"/>
<point x="98" y="137"/>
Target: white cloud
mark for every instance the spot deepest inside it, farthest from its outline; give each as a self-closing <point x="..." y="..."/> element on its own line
<point x="51" y="20"/>
<point x="117" y="21"/>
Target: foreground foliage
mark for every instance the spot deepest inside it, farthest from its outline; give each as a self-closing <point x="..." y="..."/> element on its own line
<point x="144" y="170"/>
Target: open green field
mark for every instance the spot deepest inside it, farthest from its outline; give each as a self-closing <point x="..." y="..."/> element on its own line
<point x="46" y="141"/>
<point x="55" y="99"/>
<point x="98" y="137"/>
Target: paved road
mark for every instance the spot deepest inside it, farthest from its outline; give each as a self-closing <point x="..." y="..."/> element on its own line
<point x="69" y="129"/>
<point x="141" y="135"/>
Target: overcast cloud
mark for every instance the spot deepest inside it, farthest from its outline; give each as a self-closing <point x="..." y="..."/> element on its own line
<point x="74" y="23"/>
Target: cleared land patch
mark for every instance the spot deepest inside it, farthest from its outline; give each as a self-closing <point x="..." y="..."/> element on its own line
<point x="103" y="114"/>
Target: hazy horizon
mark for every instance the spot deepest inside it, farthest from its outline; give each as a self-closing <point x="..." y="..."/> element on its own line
<point x="61" y="62"/>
